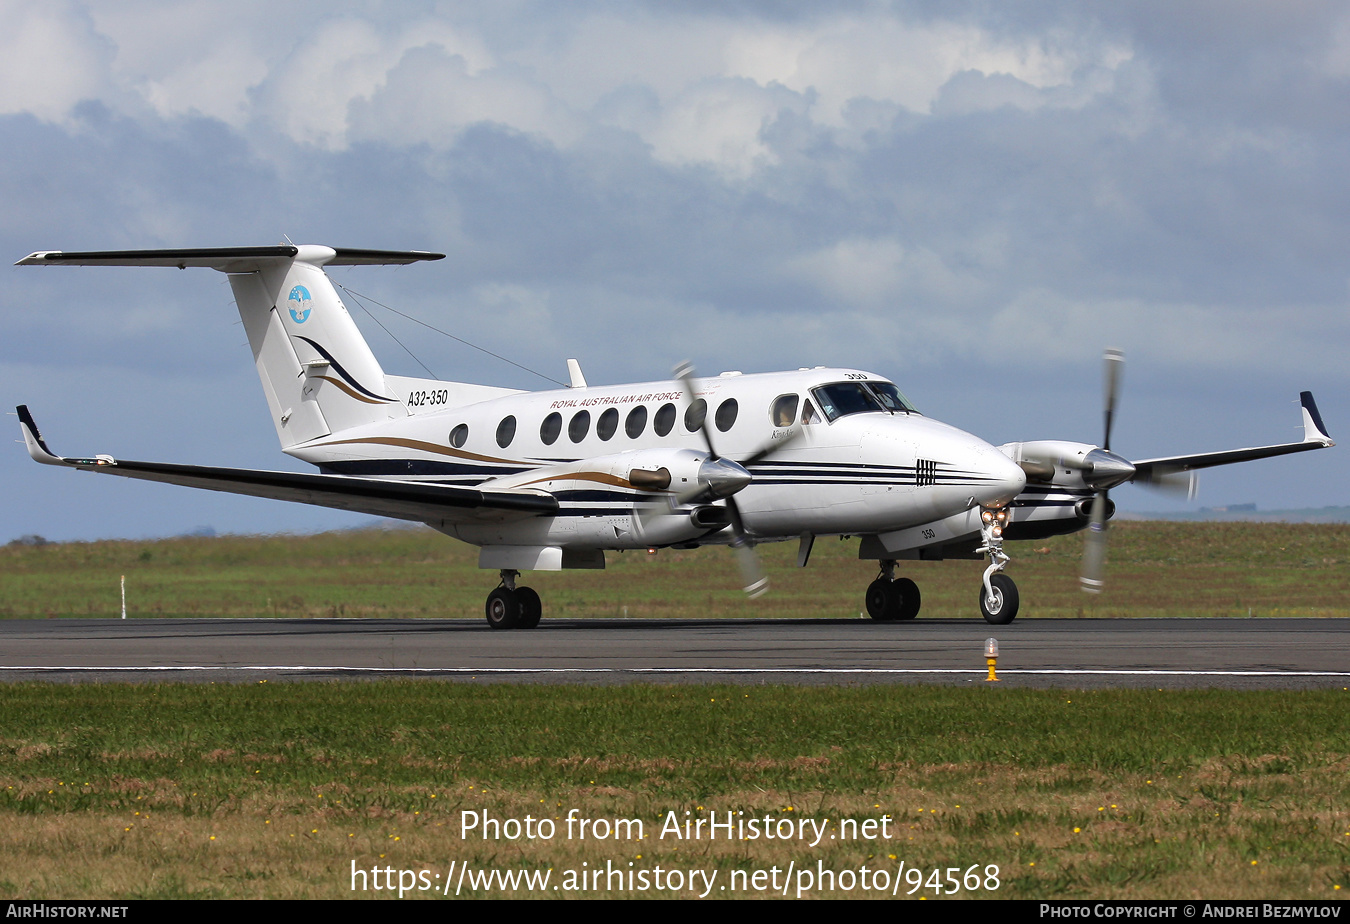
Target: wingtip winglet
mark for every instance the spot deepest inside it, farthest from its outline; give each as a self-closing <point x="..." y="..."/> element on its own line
<point x="32" y="438"/>
<point x="1313" y="428"/>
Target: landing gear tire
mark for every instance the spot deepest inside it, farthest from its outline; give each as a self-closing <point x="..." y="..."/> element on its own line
<point x="907" y="598"/>
<point x="881" y="600"/>
<point x="1003" y="608"/>
<point x="531" y="607"/>
<point x="889" y="601"/>
<point x="503" y="609"/>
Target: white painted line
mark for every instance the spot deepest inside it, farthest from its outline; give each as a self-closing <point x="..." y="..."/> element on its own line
<point x="296" y="668"/>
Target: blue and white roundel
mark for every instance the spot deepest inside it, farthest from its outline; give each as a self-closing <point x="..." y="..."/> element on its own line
<point x="298" y="301"/>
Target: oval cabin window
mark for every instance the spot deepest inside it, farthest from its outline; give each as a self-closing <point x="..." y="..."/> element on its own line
<point x="459" y="436"/>
<point x="664" y="420"/>
<point x="607" y="424"/>
<point x="695" y="414"/>
<point x="506" y="431"/>
<point x="579" y="427"/>
<point x="636" y="422"/>
<point x="726" y="414"/>
<point x="550" y="428"/>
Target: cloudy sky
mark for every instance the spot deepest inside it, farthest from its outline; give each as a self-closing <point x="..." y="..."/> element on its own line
<point x="970" y="198"/>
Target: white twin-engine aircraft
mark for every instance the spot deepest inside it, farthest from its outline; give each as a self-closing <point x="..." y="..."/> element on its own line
<point x="551" y="480"/>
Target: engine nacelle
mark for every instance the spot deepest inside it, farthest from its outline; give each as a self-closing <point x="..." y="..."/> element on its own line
<point x="646" y="471"/>
<point x="1068" y="464"/>
<point x="662" y="485"/>
<point x="1042" y="511"/>
<point x="1050" y="461"/>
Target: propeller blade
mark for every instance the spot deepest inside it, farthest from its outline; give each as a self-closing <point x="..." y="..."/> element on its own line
<point x="737" y="524"/>
<point x="773" y="446"/>
<point x="1094" y="548"/>
<point x="685" y="373"/>
<point x="1177" y="482"/>
<point x="753" y="580"/>
<point x="650" y="511"/>
<point x="730" y="477"/>
<point x="1113" y="365"/>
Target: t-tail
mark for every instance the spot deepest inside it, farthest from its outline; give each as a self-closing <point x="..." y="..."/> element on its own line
<point x="318" y="373"/>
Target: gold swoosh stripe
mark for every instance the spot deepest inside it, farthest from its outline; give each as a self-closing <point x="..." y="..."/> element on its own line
<point x="598" y="477"/>
<point x="344" y="386"/>
<point x="424" y="446"/>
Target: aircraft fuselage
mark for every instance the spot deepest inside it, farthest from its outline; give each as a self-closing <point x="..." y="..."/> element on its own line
<point x="867" y="471"/>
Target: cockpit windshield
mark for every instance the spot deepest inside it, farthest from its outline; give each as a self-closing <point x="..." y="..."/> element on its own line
<point x="844" y="398"/>
<point x="892" y="397"/>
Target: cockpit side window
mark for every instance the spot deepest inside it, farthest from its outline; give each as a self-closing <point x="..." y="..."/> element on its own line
<point x="809" y="415"/>
<point x="845" y="398"/>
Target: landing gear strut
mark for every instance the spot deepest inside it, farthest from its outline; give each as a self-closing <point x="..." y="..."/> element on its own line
<point x="512" y="607"/>
<point x="890" y="598"/>
<point x="998" y="596"/>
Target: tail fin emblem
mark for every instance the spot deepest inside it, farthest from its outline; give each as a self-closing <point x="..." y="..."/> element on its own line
<point x="298" y="302"/>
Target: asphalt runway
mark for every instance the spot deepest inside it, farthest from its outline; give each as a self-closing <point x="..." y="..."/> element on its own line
<point x="1094" y="653"/>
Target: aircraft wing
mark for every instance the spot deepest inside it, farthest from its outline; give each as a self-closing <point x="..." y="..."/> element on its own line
<point x="1314" y="437"/>
<point x="404" y="500"/>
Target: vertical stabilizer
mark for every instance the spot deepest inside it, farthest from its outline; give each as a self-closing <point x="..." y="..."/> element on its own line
<point x="295" y="408"/>
<point x="317" y="370"/>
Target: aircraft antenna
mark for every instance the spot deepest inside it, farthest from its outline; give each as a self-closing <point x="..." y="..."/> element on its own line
<point x="358" y="296"/>
<point x="415" y="357"/>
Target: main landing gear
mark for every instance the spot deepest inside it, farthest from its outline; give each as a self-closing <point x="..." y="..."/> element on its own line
<point x="512" y="607"/>
<point x="890" y="598"/>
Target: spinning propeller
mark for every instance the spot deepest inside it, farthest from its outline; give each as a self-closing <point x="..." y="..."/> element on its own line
<point x="719" y="478"/>
<point x="1112" y="468"/>
<point x="1103" y="469"/>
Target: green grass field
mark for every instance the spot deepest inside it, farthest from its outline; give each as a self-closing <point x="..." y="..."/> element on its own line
<point x="274" y="790"/>
<point x="1154" y="569"/>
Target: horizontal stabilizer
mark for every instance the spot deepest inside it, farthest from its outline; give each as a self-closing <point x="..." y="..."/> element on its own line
<point x="402" y="500"/>
<point x="355" y="256"/>
<point x="229" y="259"/>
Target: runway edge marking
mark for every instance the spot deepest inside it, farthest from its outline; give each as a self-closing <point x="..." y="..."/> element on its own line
<point x="291" y="668"/>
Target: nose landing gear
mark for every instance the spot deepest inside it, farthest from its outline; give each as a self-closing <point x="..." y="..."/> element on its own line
<point x="512" y="607"/>
<point x="999" y="605"/>
<point x="998" y="596"/>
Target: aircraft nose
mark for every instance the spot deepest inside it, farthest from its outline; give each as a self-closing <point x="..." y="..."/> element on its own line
<point x="1005" y="479"/>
